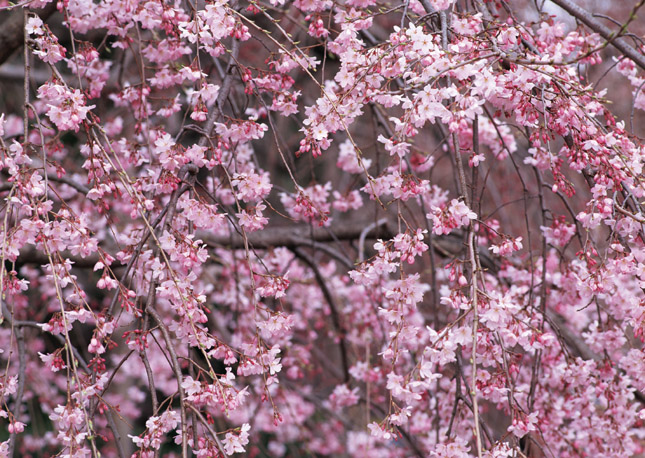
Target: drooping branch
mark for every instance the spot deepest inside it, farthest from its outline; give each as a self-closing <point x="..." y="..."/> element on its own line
<point x="336" y="320"/>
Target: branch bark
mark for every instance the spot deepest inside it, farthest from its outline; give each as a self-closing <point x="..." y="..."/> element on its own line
<point x="298" y="235"/>
<point x="302" y="235"/>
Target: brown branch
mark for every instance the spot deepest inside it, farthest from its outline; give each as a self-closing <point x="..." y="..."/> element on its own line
<point x="333" y="307"/>
<point x="280" y="236"/>
<point x="208" y="427"/>
<point x="8" y="186"/>
<point x="594" y="24"/>
<point x="296" y="235"/>
<point x="178" y="375"/>
<point x="30" y="255"/>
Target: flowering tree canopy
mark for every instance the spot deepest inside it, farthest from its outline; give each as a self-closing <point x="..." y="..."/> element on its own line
<point x="364" y="228"/>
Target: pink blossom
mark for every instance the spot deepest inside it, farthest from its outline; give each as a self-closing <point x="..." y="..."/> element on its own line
<point x="388" y="294"/>
<point x="521" y="427"/>
<point x="507" y="247"/>
<point x="441" y="4"/>
<point x="234" y="443"/>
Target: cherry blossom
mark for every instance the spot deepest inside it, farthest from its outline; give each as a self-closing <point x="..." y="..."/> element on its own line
<point x="330" y="228"/>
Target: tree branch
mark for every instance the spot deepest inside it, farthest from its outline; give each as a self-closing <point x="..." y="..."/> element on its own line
<point x="293" y="236"/>
<point x="333" y="307"/>
<point x="297" y="235"/>
<point x="594" y="24"/>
